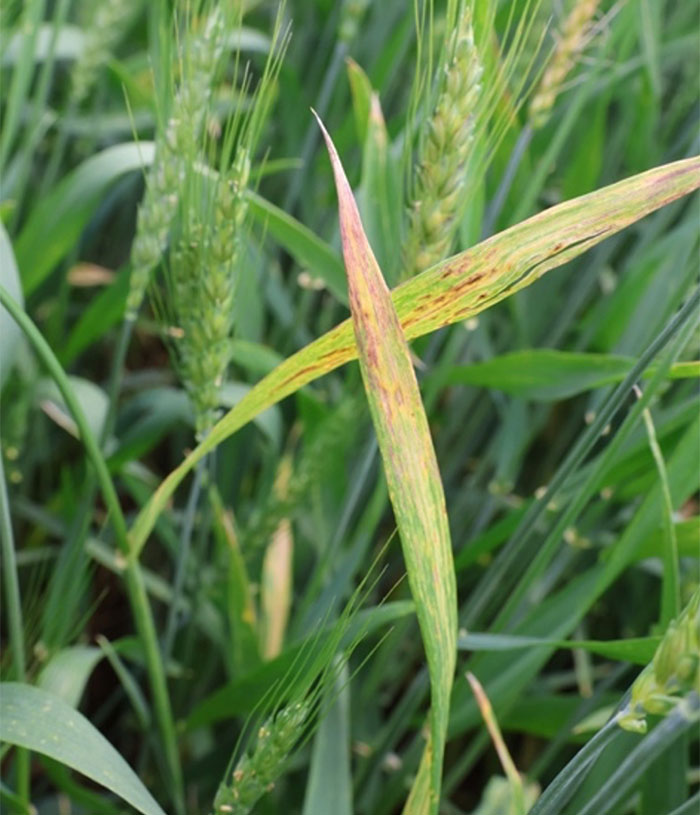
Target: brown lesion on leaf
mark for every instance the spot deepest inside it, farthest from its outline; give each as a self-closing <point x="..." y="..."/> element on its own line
<point x="337" y="355"/>
<point x="440" y="298"/>
<point x="414" y="318"/>
<point x="678" y="172"/>
<point x="309" y="372"/>
<point x="464" y="286"/>
<point x="372" y="355"/>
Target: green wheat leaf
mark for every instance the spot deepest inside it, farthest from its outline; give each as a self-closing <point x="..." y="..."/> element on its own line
<point x="42" y="722"/>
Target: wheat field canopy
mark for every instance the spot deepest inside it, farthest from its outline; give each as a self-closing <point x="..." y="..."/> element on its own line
<point x="349" y="421"/>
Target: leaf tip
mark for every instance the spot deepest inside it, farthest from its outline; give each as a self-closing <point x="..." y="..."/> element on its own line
<point x="349" y="214"/>
<point x="335" y="159"/>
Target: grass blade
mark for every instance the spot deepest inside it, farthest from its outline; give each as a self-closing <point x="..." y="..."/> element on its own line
<point x="685" y="717"/>
<point x="58" y="220"/>
<point x="545" y="374"/>
<point x="9" y="331"/>
<point x="638" y="650"/>
<point x="329" y="788"/>
<point x="44" y="723"/>
<point x="133" y="576"/>
<point x="567" y="782"/>
<point x="301" y="243"/>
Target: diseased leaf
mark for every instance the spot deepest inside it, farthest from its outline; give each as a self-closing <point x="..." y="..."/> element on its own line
<point x="454" y="290"/>
<point x="277" y="575"/>
<point x="410" y="465"/>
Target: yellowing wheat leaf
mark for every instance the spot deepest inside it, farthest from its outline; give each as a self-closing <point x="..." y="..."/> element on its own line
<point x="455" y="289"/>
<point x="410" y="465"/>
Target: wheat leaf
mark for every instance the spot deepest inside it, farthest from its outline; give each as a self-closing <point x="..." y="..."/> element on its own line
<point x="40" y="721"/>
<point x="454" y="290"/>
<point x="410" y="464"/>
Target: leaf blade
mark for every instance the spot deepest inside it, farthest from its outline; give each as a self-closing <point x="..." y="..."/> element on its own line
<point x="44" y="723"/>
<point x="410" y="465"/>
<point x="59" y="219"/>
<point x="637" y="650"/>
<point x="546" y="374"/>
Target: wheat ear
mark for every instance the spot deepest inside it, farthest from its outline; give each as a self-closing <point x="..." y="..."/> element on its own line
<point x="108" y="25"/>
<point x="573" y="39"/>
<point x="256" y="772"/>
<point x="673" y="673"/>
<point x="203" y="283"/>
<point x="174" y="147"/>
<point x="445" y="150"/>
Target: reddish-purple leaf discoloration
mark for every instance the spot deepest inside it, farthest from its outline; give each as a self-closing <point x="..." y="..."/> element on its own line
<point x="449" y="292"/>
<point x="409" y="459"/>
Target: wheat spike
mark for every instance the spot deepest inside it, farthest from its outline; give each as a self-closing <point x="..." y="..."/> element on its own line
<point x="203" y="283"/>
<point x="176" y="146"/>
<point x="673" y="673"/>
<point x="440" y="189"/>
<point x="109" y="23"/>
<point x="256" y="773"/>
<point x="573" y="39"/>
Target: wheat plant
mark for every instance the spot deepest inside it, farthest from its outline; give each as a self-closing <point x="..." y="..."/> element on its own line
<point x="349" y="463"/>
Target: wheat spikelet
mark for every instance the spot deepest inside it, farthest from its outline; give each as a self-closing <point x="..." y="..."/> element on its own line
<point x="109" y="23"/>
<point x="573" y="39"/>
<point x="440" y="189"/>
<point x="176" y="146"/>
<point x="256" y="772"/>
<point x="674" y="671"/>
<point x="202" y="289"/>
